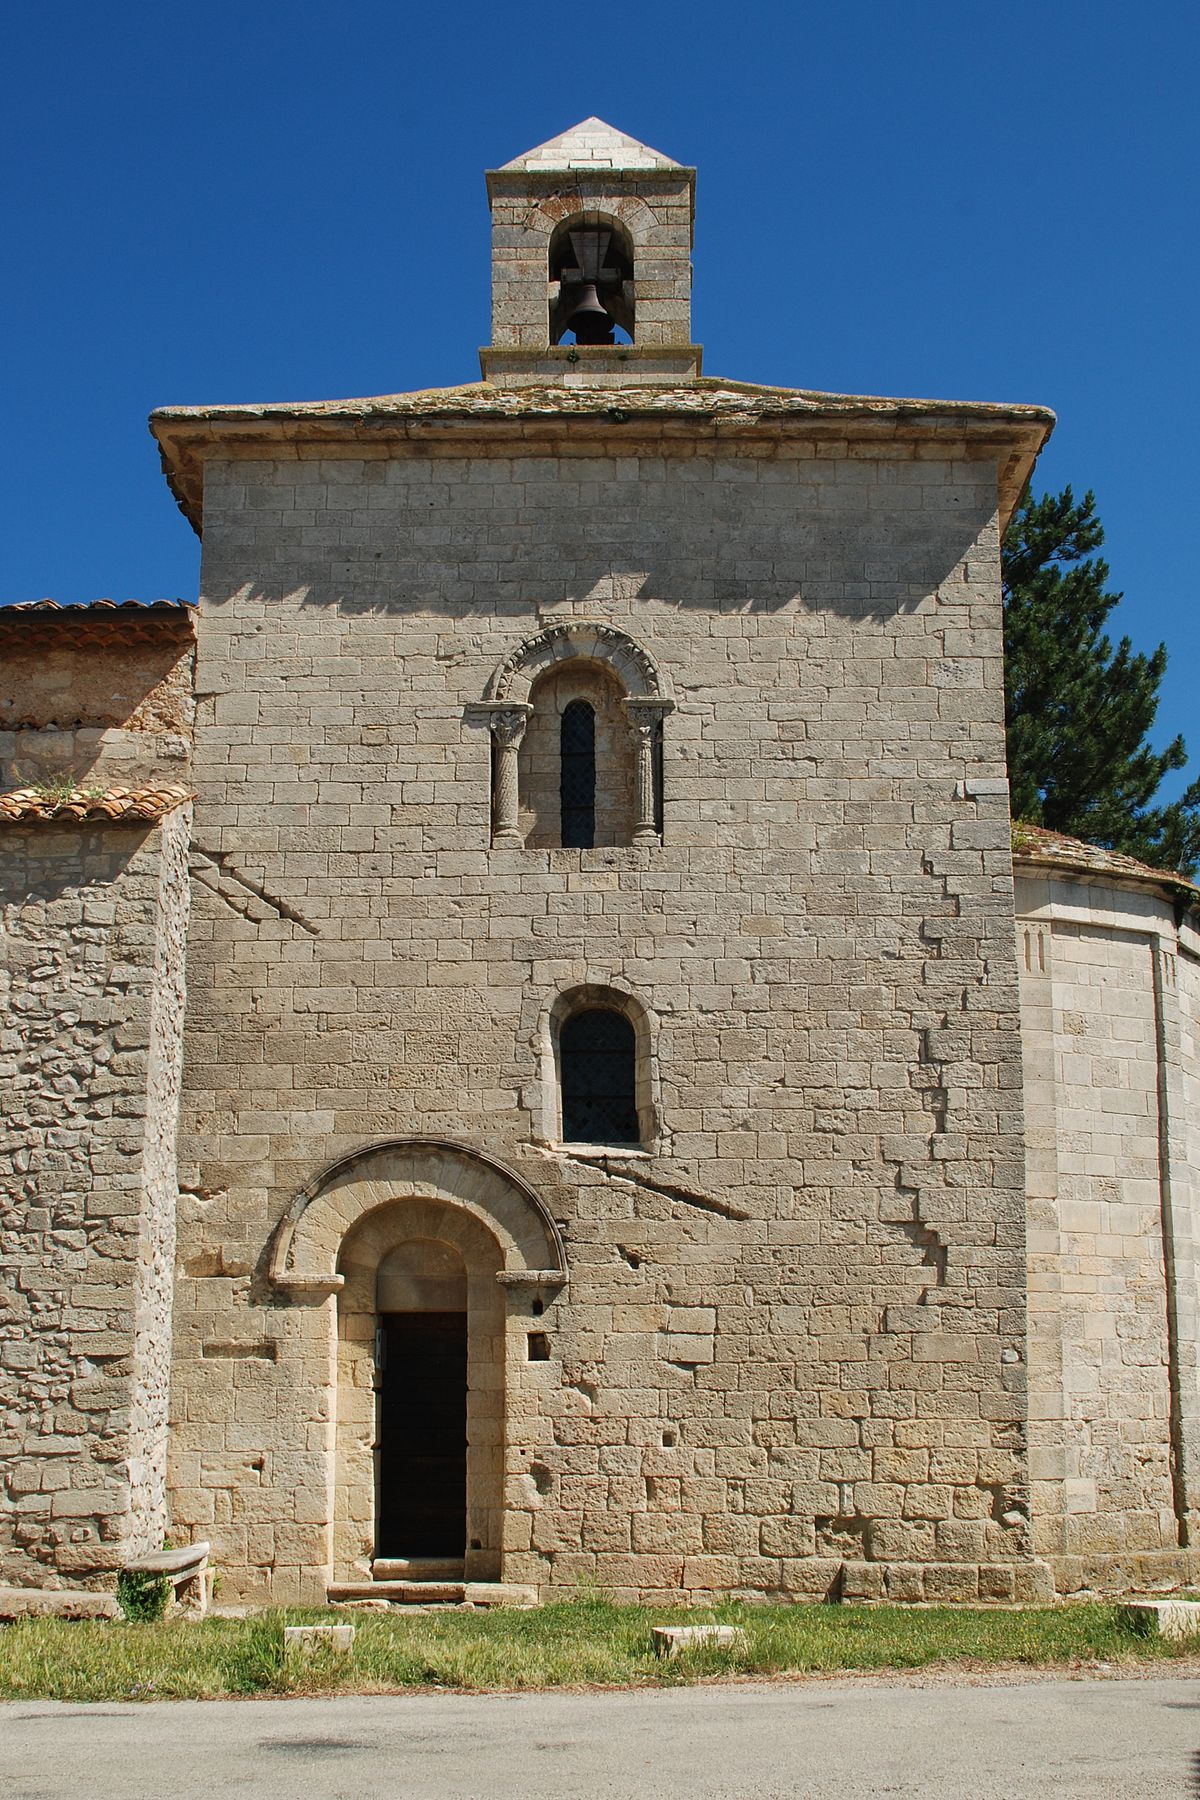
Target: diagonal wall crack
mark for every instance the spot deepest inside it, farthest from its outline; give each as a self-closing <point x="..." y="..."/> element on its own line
<point x="686" y="1196"/>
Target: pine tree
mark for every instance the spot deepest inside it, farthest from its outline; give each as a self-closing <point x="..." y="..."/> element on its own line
<point x="1078" y="710"/>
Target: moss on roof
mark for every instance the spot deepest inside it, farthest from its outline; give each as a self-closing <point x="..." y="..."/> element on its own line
<point x="1037" y="847"/>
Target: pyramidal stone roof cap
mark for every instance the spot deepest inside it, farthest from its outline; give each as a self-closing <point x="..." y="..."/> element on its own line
<point x="591" y="144"/>
<point x="1038" y="847"/>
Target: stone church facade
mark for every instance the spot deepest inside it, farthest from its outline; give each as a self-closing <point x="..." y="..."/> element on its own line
<point x="524" y="1058"/>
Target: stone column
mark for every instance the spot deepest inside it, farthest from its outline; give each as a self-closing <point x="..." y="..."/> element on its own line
<point x="507" y="723"/>
<point x="646" y="717"/>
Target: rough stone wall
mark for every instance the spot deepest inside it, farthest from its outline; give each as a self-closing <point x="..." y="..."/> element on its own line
<point x="791" y="1352"/>
<point x="1112" y="1228"/>
<point x="93" y="931"/>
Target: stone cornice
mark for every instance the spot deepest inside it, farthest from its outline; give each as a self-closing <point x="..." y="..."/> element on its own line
<point x="603" y="419"/>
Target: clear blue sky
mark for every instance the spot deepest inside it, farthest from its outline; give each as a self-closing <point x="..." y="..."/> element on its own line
<point x="256" y="201"/>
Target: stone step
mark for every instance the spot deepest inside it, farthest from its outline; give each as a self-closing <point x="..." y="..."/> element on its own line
<point x="433" y="1593"/>
<point x="400" y="1593"/>
<point x="417" y="1568"/>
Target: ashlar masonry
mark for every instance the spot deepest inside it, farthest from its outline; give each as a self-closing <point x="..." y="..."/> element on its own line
<point x="609" y="1031"/>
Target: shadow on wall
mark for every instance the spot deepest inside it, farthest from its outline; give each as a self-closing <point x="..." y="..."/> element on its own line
<point x="735" y="546"/>
<point x="43" y="862"/>
<point x="82" y="702"/>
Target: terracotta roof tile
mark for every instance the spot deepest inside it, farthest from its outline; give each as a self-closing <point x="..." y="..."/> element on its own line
<point x="1037" y="846"/>
<point x="94" y="606"/>
<point x="85" y="806"/>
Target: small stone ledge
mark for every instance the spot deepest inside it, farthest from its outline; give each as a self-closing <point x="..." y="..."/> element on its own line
<point x="500" y="1593"/>
<point x="186" y="1560"/>
<point x="949" y="1584"/>
<point x="672" y="1641"/>
<point x="1121" y="1573"/>
<point x="309" y="1640"/>
<point x="185" y="1567"/>
<point x="534" y="1278"/>
<point x="55" y="1603"/>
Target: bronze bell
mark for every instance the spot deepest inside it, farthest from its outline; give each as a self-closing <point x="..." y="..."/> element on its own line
<point x="589" y="321"/>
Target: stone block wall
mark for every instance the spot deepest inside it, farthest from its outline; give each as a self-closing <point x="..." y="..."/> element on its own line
<point x="1109" y="1017"/>
<point x="94" y="923"/>
<point x="95" y="697"/>
<point x="654" y="208"/>
<point x="791" y="1351"/>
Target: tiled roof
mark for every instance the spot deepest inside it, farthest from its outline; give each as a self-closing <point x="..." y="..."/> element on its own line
<point x="85" y="806"/>
<point x="79" y="625"/>
<point x="590" y="145"/>
<point x="1039" y="847"/>
<point x="94" y="606"/>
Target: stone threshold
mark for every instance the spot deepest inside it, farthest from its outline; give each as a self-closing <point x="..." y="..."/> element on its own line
<point x="432" y="1593"/>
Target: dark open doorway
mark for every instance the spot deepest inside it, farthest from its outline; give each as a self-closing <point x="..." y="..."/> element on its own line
<point x="422" y="1434"/>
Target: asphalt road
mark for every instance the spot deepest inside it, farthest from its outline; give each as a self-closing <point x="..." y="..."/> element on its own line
<point x="1091" y="1739"/>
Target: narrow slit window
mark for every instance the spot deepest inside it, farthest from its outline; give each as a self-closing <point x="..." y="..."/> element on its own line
<point x="597" y="1059"/>
<point x="577" y="780"/>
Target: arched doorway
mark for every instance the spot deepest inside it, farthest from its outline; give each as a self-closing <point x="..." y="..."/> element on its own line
<point x="420" y="1391"/>
<point x="325" y="1262"/>
<point x="421" y="1340"/>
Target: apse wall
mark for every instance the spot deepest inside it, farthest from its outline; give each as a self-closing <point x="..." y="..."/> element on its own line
<point x="1110" y="991"/>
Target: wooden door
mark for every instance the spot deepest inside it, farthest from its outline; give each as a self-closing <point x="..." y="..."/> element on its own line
<point x="423" y="1435"/>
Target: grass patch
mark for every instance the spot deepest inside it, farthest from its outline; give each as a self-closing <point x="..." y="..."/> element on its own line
<point x="571" y="1644"/>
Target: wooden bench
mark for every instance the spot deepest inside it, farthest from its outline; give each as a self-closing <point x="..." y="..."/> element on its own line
<point x="186" y="1569"/>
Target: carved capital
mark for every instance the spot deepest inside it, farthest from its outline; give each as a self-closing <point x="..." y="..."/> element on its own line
<point x="508" y="725"/>
<point x="505" y="719"/>
<point x="646" y="713"/>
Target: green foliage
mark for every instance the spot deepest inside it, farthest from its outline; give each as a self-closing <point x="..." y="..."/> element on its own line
<point x="1078" y="708"/>
<point x="564" y="1645"/>
<point x="143" y="1597"/>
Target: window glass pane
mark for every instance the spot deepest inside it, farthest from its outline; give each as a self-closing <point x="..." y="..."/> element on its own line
<point x="577" y="787"/>
<point x="597" y="1054"/>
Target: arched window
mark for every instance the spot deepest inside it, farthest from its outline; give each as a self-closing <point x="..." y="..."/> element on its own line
<point x="577" y="775"/>
<point x="597" y="1069"/>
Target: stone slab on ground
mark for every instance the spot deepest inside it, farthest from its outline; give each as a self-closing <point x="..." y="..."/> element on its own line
<point x="1174" y="1619"/>
<point x="672" y="1640"/>
<point x="56" y="1603"/>
<point x="304" y="1640"/>
<point x="500" y="1593"/>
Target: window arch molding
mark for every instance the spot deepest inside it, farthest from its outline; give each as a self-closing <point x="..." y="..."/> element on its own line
<point x="507" y="707"/>
<point x="591" y="996"/>
<point x="634" y="667"/>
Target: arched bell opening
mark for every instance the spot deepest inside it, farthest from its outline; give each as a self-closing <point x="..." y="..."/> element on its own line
<point x="591" y="281"/>
<point x="420" y="1418"/>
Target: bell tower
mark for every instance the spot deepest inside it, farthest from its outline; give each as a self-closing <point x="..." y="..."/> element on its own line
<point x="591" y="264"/>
